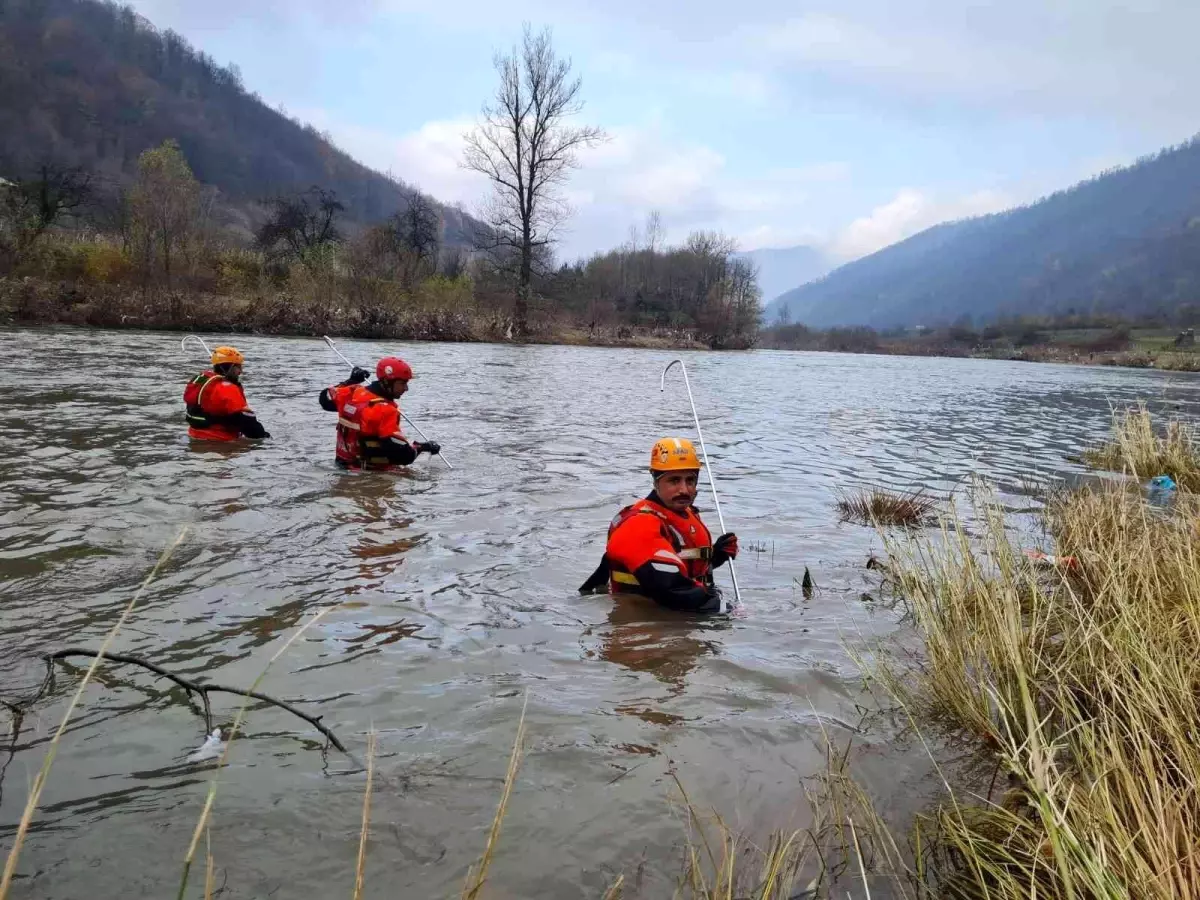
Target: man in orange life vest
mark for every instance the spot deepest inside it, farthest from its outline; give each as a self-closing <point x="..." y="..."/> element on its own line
<point x="368" y="429"/>
<point x="216" y="403"/>
<point x="658" y="547"/>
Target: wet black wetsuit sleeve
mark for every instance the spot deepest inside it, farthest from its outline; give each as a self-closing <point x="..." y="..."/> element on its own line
<point x="398" y="452"/>
<point x="245" y="424"/>
<point x="248" y="425"/>
<point x="672" y="590"/>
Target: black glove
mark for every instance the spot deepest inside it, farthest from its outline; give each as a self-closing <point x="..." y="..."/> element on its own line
<point x="725" y="548"/>
<point x="357" y="376"/>
<point x="433" y="448"/>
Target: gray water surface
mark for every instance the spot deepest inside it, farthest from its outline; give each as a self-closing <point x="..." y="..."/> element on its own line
<point x="455" y="598"/>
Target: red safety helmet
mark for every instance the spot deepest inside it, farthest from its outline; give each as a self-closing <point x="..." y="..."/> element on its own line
<point x="393" y="367"/>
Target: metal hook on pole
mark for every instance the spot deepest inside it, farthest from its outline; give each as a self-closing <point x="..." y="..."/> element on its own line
<point x="737" y="596"/>
<point x="414" y="425"/>
<point x="194" y="337"/>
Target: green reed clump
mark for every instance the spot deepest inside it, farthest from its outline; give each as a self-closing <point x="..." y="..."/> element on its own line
<point x="1137" y="448"/>
<point x="877" y="506"/>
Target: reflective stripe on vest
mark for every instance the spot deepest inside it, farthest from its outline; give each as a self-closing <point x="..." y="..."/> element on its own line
<point x="350" y="438"/>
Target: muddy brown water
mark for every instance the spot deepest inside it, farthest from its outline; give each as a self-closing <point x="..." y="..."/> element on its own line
<point x="455" y="597"/>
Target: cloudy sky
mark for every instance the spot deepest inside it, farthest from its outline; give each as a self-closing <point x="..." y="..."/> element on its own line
<point x="845" y="125"/>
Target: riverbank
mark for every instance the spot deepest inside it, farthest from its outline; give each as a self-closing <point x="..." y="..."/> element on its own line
<point x="1146" y="346"/>
<point x="36" y="302"/>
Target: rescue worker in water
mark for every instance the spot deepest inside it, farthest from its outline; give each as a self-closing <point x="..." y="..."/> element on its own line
<point x="658" y="547"/>
<point x="368" y="428"/>
<point x="216" y="402"/>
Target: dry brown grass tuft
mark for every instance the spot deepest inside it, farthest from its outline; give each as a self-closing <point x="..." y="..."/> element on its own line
<point x="1135" y="447"/>
<point x="876" y="506"/>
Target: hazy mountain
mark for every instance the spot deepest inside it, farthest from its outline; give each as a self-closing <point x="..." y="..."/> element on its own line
<point x="1126" y="241"/>
<point x="94" y="84"/>
<point x="783" y="268"/>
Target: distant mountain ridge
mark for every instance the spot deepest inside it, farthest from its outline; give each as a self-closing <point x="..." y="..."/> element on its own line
<point x="782" y="268"/>
<point x="94" y="84"/>
<point x="1126" y="241"/>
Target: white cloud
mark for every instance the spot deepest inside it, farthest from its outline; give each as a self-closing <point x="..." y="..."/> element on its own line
<point x="427" y="158"/>
<point x="1096" y="57"/>
<point x="646" y="168"/>
<point x="909" y="212"/>
<point x="641" y="169"/>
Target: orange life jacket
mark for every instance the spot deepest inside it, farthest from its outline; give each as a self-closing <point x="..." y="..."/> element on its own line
<point x="357" y="446"/>
<point x="688" y="536"/>
<point x="201" y="425"/>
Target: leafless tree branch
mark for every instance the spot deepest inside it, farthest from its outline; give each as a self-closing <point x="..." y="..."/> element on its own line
<point x="203" y="689"/>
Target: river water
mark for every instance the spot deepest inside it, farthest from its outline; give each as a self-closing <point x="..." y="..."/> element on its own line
<point x="454" y="599"/>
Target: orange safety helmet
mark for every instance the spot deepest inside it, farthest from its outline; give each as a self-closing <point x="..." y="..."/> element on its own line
<point x="674" y="455"/>
<point x="223" y="355"/>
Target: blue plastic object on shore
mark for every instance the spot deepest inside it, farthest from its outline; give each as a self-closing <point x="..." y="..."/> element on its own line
<point x="1163" y="483"/>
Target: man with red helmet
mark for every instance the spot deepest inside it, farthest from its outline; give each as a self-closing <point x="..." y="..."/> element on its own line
<point x="368" y="429"/>
<point x="658" y="547"/>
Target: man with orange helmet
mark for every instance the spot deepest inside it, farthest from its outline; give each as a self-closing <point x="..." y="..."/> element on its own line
<point x="368" y="429"/>
<point x="658" y="547"/>
<point x="216" y="402"/>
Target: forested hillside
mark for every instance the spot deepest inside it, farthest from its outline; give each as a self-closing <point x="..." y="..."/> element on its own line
<point x="141" y="184"/>
<point x="1125" y="242"/>
<point x="93" y="85"/>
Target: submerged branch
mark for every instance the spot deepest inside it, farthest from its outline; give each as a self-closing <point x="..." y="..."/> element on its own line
<point x="200" y="688"/>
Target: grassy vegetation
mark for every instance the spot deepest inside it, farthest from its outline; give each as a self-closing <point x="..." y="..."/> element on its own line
<point x="877" y="506"/>
<point x="1083" y="688"/>
<point x="1137" y="448"/>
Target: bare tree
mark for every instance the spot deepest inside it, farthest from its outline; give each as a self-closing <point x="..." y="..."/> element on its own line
<point x="302" y="225"/>
<point x="28" y="208"/>
<point x="526" y="147"/>
<point x="418" y="229"/>
<point x="453" y="263"/>
<point x="654" y="231"/>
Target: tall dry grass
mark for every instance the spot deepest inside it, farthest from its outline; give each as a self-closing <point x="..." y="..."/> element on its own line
<point x="1138" y="448"/>
<point x="477" y="874"/>
<point x="365" y="829"/>
<point x="1083" y="687"/>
